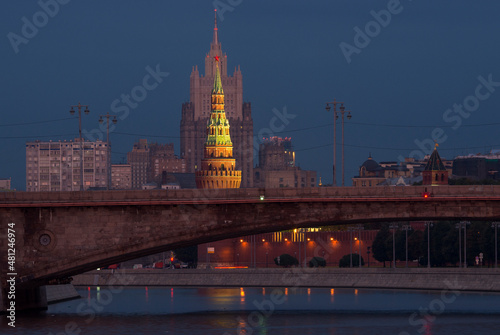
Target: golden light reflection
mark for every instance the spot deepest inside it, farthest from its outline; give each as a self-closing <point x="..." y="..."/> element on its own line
<point x="332" y="291"/>
<point x="286" y="290"/>
<point x="308" y="291"/>
<point x="355" y="291"/>
<point x="242" y="296"/>
<point x="263" y="291"/>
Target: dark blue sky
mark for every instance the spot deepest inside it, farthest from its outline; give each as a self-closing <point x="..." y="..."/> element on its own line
<point x="426" y="59"/>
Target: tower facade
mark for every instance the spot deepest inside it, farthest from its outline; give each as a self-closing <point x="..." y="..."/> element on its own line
<point x="435" y="172"/>
<point x="199" y="108"/>
<point x="218" y="167"/>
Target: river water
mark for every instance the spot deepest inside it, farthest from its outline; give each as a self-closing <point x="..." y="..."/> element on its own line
<point x="207" y="311"/>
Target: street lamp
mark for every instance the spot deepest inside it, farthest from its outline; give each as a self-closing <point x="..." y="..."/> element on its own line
<point x="393" y="226"/>
<point x="359" y="227"/>
<point x="350" y="230"/>
<point x="459" y="227"/>
<point x="406" y="227"/>
<point x="342" y="111"/>
<point x="368" y="253"/>
<point x="72" y="112"/>
<point x="495" y="225"/>
<point x="108" y="158"/>
<point x="428" y="225"/>
<point x="464" y="225"/>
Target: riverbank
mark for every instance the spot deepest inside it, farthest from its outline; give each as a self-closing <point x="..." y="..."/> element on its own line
<point x="58" y="293"/>
<point x="482" y="280"/>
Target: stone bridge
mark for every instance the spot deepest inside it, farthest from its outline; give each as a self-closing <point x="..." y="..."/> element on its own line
<point x="59" y="234"/>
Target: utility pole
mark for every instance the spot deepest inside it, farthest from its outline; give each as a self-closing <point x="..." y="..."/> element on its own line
<point x="342" y="111"/>
<point x="72" y="112"/>
<point x="108" y="159"/>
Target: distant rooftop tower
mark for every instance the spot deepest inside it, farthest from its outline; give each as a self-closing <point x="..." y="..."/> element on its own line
<point x="218" y="165"/>
<point x="435" y="172"/>
<point x="198" y="110"/>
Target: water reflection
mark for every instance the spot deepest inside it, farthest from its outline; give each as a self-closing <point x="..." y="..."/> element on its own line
<point x="210" y="311"/>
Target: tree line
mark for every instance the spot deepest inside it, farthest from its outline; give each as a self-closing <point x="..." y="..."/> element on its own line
<point x="444" y="244"/>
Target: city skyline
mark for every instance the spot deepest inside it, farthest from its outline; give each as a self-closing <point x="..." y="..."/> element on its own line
<point x="421" y="61"/>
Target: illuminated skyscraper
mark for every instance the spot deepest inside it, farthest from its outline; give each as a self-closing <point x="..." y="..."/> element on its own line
<point x="218" y="165"/>
<point x="196" y="112"/>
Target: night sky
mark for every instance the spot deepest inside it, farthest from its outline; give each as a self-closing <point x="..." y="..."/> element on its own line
<point x="400" y="77"/>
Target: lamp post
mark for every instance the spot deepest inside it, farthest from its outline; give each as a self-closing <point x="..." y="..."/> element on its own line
<point x="359" y="227"/>
<point x="393" y="226"/>
<point x="368" y="253"/>
<point x="406" y="227"/>
<point x="495" y="225"/>
<point x="429" y="225"/>
<point x="108" y="158"/>
<point x="464" y="224"/>
<point x="350" y="230"/>
<point x="342" y="111"/>
<point x="72" y="112"/>
<point x="459" y="227"/>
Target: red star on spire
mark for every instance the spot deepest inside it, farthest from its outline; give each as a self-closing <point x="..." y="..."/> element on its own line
<point x="216" y="58"/>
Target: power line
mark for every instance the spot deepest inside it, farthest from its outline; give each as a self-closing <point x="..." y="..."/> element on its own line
<point x="35" y="122"/>
<point x="395" y="149"/>
<point x="421" y="126"/>
<point x="34" y="136"/>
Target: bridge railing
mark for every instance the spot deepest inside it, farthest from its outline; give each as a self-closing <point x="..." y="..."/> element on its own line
<point x="259" y="194"/>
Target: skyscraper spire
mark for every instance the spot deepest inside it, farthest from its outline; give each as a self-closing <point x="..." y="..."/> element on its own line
<point x="218" y="165"/>
<point x="216" y="34"/>
<point x="217" y="82"/>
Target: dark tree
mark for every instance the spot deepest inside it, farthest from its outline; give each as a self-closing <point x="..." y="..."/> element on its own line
<point x="316" y="262"/>
<point x="415" y="240"/>
<point x="286" y="261"/>
<point x="345" y="261"/>
<point x="379" y="246"/>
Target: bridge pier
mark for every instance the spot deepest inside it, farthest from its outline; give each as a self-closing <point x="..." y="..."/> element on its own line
<point x="32" y="298"/>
